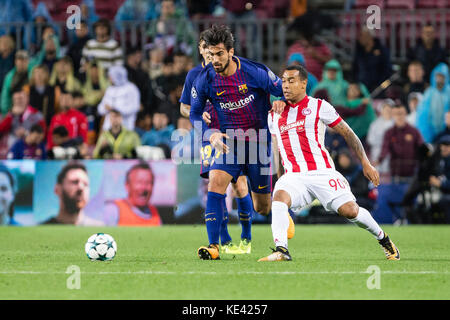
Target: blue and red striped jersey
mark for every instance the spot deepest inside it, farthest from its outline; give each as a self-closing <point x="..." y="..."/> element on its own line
<point x="242" y="100"/>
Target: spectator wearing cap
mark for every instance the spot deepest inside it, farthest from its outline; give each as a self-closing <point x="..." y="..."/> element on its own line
<point x="140" y="78"/>
<point x="104" y="49"/>
<point x="427" y="50"/>
<point x="15" y="79"/>
<point x="6" y="56"/>
<point x="161" y="132"/>
<point x="435" y="103"/>
<point x="117" y="142"/>
<point x="31" y="146"/>
<point x="442" y="179"/>
<point x="297" y="58"/>
<point x="376" y="132"/>
<point x="122" y="96"/>
<point x="371" y="63"/>
<point x="333" y="81"/>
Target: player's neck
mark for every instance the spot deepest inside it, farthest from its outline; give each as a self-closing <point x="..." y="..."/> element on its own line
<point x="230" y="70"/>
<point x="298" y="99"/>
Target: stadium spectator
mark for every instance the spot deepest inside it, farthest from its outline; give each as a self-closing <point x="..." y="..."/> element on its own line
<point x="376" y="133"/>
<point x="333" y="81"/>
<point x="15" y="79"/>
<point x="64" y="147"/>
<point x="41" y="18"/>
<point x="7" y="197"/>
<point x="172" y="30"/>
<point x="316" y="54"/>
<point x="75" y="51"/>
<point x="88" y="12"/>
<point x="155" y="65"/>
<point x="20" y="119"/>
<point x="135" y="209"/>
<point x="122" y="96"/>
<point x="427" y="50"/>
<point x="441" y="180"/>
<point x="6" y="56"/>
<point x="133" y="10"/>
<point x="446" y="130"/>
<point x="357" y="96"/>
<point x="74" y="120"/>
<point x="42" y="94"/>
<point x="63" y="79"/>
<point x="50" y="51"/>
<point x="414" y="99"/>
<point x="416" y="82"/>
<point x="143" y="123"/>
<point x="435" y="102"/>
<point x="401" y="143"/>
<point x="95" y="85"/>
<point x="371" y="63"/>
<point x="140" y="78"/>
<point x="117" y="142"/>
<point x="297" y="58"/>
<point x="31" y="146"/>
<point x="104" y="49"/>
<point x="161" y="132"/>
<point x="72" y="189"/>
<point x="15" y="11"/>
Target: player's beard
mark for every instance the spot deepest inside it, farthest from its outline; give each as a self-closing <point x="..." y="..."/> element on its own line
<point x="71" y="204"/>
<point x="225" y="67"/>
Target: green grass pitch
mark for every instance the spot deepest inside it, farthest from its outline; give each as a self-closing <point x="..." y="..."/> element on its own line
<point x="329" y="262"/>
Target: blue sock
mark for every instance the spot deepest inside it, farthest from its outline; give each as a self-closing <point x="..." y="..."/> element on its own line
<point x="245" y="210"/>
<point x="224" y="235"/>
<point x="214" y="216"/>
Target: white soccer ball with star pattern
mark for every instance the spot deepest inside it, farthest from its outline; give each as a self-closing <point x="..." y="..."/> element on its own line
<point x="101" y="247"/>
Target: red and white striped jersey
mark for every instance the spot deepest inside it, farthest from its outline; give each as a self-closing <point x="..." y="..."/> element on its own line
<point x="300" y="132"/>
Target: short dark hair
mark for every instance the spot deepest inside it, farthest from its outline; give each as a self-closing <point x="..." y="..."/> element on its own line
<point x="70" y="166"/>
<point x="141" y="165"/>
<point x="301" y="71"/>
<point x="61" y="131"/>
<point x="77" y="94"/>
<point x="219" y="34"/>
<point x="103" y="22"/>
<point x="36" y="128"/>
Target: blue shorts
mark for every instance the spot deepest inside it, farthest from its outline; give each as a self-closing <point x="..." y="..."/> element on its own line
<point x="251" y="159"/>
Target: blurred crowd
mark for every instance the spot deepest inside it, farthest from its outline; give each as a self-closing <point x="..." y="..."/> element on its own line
<point x="92" y="99"/>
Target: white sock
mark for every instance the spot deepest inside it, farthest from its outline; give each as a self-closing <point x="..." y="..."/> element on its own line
<point x="280" y="223"/>
<point x="364" y="220"/>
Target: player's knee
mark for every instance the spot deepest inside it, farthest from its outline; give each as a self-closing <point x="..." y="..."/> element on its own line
<point x="349" y="210"/>
<point x="262" y="208"/>
<point x="240" y="189"/>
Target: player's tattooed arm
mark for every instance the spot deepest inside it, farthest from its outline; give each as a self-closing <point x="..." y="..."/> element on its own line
<point x="185" y="109"/>
<point x="353" y="142"/>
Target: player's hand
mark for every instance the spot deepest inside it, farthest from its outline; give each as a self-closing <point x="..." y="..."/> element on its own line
<point x="371" y="173"/>
<point x="278" y="106"/>
<point x="216" y="140"/>
<point x="206" y="117"/>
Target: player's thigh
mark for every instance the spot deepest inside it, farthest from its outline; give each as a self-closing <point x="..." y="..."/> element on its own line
<point x="240" y="188"/>
<point x="292" y="184"/>
<point x="330" y="188"/>
<point x="218" y="181"/>
<point x="262" y="202"/>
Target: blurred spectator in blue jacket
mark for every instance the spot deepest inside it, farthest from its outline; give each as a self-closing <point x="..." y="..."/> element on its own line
<point x="435" y="103"/>
<point x="161" y="132"/>
<point x="15" y="11"/>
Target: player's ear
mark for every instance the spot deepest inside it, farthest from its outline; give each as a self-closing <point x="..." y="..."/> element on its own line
<point x="231" y="52"/>
<point x="57" y="189"/>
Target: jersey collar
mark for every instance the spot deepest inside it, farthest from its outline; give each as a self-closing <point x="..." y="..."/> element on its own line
<point x="302" y="103"/>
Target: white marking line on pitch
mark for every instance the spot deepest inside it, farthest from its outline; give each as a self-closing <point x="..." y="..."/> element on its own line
<point x="149" y="272"/>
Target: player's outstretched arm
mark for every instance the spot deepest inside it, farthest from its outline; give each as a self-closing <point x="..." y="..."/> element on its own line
<point x="353" y="141"/>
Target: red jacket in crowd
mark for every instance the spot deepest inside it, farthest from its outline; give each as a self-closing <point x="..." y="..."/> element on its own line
<point x="75" y="122"/>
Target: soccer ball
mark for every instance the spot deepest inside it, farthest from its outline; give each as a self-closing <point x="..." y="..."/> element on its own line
<point x="100" y="246"/>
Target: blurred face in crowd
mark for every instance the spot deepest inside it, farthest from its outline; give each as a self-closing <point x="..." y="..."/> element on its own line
<point x="58" y="140"/>
<point x="6" y="196"/>
<point x="116" y="121"/>
<point x="21" y="64"/>
<point x="428" y="35"/>
<point x="101" y="33"/>
<point x="440" y="81"/>
<point x="179" y="64"/>
<point x="344" y="160"/>
<point x="399" y="115"/>
<point x="167" y="9"/>
<point x="386" y="111"/>
<point x="82" y="31"/>
<point x="134" y="59"/>
<point x="445" y="150"/>
<point x="74" y="190"/>
<point x="293" y="87"/>
<point x="144" y="122"/>
<point x="94" y="73"/>
<point x="353" y="91"/>
<point x="78" y="102"/>
<point x="66" y="101"/>
<point x="160" y="120"/>
<point x="139" y="187"/>
<point x="63" y="68"/>
<point x="6" y="45"/>
<point x="167" y="69"/>
<point x="50" y="48"/>
<point x="220" y="57"/>
<point x="40" y="76"/>
<point x="34" y="138"/>
<point x="412" y="104"/>
<point x="331" y="74"/>
<point x="415" y="72"/>
<point x="20" y="101"/>
<point x="156" y="56"/>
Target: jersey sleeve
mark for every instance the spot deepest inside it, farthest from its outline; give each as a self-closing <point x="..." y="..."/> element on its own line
<point x="186" y="94"/>
<point x="198" y="99"/>
<point x="270" y="122"/>
<point x="328" y="114"/>
<point x="269" y="82"/>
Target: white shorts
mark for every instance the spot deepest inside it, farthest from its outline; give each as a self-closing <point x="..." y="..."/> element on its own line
<point x="328" y="186"/>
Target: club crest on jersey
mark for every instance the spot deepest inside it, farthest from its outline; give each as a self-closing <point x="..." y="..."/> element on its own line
<point x="243" y="88"/>
<point x="194" y="93"/>
<point x="306" y="111"/>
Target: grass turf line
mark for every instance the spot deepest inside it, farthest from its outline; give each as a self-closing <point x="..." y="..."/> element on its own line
<point x="329" y="262"/>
